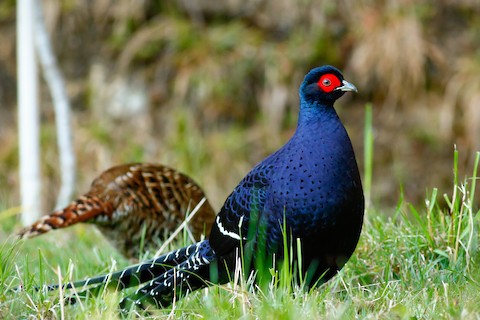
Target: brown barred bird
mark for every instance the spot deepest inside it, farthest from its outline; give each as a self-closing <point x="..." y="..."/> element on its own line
<point x="131" y="201"/>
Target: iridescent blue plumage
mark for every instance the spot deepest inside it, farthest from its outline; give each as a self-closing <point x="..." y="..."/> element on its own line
<point x="312" y="181"/>
<point x="311" y="187"/>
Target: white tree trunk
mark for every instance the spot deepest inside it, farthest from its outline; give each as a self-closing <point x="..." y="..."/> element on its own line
<point x="28" y="115"/>
<point x="61" y="103"/>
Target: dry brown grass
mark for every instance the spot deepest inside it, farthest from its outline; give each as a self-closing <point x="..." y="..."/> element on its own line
<point x="461" y="104"/>
<point x="392" y="51"/>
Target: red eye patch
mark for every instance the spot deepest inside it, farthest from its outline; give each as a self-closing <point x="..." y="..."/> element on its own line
<point x="328" y="82"/>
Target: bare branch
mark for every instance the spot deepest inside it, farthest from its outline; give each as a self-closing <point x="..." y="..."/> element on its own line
<point x="61" y="103"/>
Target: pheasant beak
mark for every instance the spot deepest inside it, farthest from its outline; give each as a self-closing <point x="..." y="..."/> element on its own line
<point x="347" y="86"/>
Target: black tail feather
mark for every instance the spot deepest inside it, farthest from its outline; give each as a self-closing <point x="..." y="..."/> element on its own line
<point x="169" y="277"/>
<point x="138" y="274"/>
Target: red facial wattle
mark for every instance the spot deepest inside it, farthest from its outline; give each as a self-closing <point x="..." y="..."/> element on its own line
<point x="329" y="82"/>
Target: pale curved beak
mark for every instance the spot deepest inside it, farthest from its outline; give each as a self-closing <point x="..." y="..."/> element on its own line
<point x="347" y="86"/>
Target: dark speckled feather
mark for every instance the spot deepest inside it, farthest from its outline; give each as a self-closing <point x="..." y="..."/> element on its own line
<point x="311" y="186"/>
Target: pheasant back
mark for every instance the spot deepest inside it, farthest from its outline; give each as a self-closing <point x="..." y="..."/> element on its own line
<point x="134" y="202"/>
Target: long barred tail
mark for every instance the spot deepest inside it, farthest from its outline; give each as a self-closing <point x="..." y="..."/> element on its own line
<point x="169" y="277"/>
<point x="140" y="273"/>
<point x="80" y="210"/>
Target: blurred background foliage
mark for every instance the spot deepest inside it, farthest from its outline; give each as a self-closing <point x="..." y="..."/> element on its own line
<point x="210" y="87"/>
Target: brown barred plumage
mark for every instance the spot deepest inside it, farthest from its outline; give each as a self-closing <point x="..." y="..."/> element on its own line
<point x="129" y="201"/>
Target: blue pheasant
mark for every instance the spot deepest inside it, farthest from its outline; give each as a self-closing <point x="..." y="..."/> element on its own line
<point x="309" y="189"/>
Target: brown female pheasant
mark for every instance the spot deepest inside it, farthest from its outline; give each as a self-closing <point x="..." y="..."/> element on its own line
<point x="131" y="201"/>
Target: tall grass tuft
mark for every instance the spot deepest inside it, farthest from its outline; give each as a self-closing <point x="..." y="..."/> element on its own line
<point x="368" y="155"/>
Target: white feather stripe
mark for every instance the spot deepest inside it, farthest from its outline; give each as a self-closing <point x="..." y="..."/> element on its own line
<point x="230" y="233"/>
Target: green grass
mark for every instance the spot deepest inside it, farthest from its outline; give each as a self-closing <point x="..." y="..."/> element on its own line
<point x="417" y="264"/>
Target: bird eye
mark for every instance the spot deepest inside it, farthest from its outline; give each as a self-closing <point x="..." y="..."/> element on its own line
<point x="328" y="82"/>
